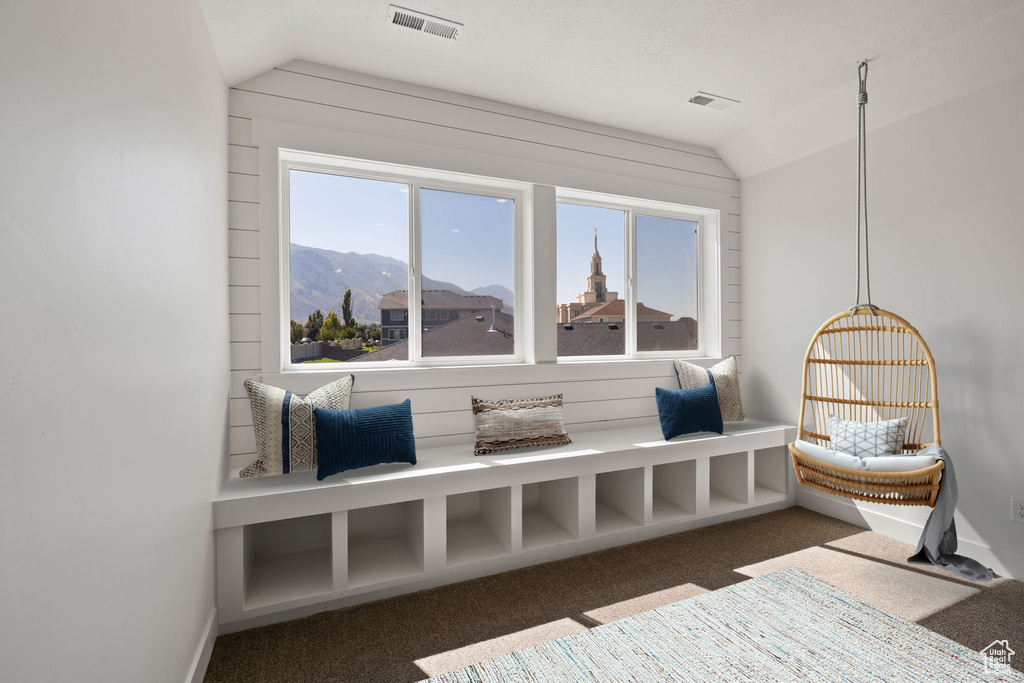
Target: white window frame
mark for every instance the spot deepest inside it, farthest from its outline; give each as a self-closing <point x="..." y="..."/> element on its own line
<point x="709" y="271"/>
<point x="417" y="179"/>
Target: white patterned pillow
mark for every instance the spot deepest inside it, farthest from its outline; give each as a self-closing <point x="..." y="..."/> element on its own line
<point x="285" y="430"/>
<point x="727" y="384"/>
<point x="867" y="439"/>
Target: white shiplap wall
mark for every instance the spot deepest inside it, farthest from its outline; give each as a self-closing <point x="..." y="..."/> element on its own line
<point x="395" y="122"/>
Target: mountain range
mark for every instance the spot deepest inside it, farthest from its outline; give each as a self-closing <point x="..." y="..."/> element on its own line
<point x="320" y="277"/>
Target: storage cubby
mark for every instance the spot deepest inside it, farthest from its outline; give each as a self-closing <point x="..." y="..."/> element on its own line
<point x="550" y="512"/>
<point x="385" y="542"/>
<point x="287" y="559"/>
<point x="479" y="525"/>
<point x="771" y="468"/>
<point x="619" y="503"/>
<point x="728" y="485"/>
<point x="675" y="491"/>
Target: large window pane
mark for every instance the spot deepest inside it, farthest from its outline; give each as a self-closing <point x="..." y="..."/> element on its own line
<point x="666" y="280"/>
<point x="348" y="234"/>
<point x="467" y="244"/>
<point x="591" y="306"/>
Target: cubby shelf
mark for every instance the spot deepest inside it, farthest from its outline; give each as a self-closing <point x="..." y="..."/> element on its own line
<point x="395" y="530"/>
<point x="283" y="578"/>
<point x="385" y="542"/>
<point x="479" y="526"/>
<point x="674" y="491"/>
<point x="619" y="500"/>
<point x="550" y="513"/>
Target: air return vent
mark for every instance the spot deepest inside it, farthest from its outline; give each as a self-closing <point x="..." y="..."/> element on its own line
<point x="424" y="23"/>
<point x="712" y="101"/>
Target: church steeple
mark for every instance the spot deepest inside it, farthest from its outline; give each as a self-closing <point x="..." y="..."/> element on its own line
<point x="597" y="290"/>
<point x="596" y="287"/>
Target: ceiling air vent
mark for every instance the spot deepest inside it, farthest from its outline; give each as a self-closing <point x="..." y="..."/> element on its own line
<point x="424" y="23"/>
<point x="712" y="101"/>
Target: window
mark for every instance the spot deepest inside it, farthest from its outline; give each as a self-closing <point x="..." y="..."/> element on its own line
<point x="635" y="288"/>
<point x="437" y="261"/>
<point x="468" y="245"/>
<point x="353" y="229"/>
<point x="591" y="243"/>
<point x="666" y="284"/>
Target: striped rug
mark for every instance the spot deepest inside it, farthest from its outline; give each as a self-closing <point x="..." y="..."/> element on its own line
<point x="784" y="626"/>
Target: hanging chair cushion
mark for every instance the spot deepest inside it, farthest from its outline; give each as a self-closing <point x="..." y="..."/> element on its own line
<point x="895" y="463"/>
<point x="727" y="384"/>
<point x="868" y="439"/>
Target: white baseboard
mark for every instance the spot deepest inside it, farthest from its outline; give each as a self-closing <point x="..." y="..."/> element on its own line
<point x="197" y="672"/>
<point x="1003" y="563"/>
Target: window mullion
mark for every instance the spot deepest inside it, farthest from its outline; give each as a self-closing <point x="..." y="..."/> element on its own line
<point x="630" y="313"/>
<point x="415" y="281"/>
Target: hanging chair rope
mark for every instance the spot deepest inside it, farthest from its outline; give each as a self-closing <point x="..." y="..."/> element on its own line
<point x="862" y="184"/>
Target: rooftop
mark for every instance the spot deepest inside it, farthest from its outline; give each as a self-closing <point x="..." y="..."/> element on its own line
<point x="442" y="299"/>
<point x="470" y="337"/>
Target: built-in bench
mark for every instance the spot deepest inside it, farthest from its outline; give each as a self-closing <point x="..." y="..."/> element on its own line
<point x="289" y="546"/>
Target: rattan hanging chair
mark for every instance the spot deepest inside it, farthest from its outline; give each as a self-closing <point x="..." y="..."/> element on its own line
<point x="867" y="365"/>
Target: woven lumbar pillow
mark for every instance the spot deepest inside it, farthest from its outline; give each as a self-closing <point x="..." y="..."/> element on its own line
<point x="518" y="423"/>
<point x="727" y="384"/>
<point x="349" y="439"/>
<point x="285" y="427"/>
<point x="867" y="439"/>
<point x="685" y="411"/>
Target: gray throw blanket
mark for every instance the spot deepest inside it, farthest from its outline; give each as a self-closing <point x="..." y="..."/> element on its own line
<point x="938" y="540"/>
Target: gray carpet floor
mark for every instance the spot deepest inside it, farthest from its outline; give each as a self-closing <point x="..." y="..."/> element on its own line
<point x="409" y="637"/>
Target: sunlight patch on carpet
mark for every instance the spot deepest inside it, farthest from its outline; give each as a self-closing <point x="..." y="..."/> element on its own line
<point x="642" y="603"/>
<point x="906" y="592"/>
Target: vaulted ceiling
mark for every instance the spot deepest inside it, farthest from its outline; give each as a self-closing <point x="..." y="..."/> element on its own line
<point x="634" y="64"/>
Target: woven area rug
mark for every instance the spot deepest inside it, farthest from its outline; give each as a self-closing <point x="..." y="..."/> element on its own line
<point x="784" y="626"/>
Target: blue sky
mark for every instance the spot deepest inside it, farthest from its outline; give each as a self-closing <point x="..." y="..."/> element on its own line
<point x="468" y="239"/>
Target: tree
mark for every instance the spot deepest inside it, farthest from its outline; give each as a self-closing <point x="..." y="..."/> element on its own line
<point x="346" y="309"/>
<point x="373" y="332"/>
<point x="349" y="333"/>
<point x="331" y="330"/>
<point x="314" y="323"/>
<point x="297" y="332"/>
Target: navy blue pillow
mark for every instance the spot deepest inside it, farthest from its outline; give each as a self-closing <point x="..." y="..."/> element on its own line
<point x="685" y="411"/>
<point x="348" y="439"/>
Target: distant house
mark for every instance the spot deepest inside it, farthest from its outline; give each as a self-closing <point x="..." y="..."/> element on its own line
<point x="440" y="306"/>
<point x="467" y="335"/>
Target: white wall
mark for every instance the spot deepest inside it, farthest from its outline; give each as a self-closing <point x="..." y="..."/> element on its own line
<point x="946" y="212"/>
<point x="113" y="341"/>
<point x="316" y="108"/>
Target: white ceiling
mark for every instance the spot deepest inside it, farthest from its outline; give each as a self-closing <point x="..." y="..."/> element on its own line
<point x="628" y="64"/>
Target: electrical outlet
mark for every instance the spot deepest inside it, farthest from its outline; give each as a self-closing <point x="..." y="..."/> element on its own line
<point x="1018" y="508"/>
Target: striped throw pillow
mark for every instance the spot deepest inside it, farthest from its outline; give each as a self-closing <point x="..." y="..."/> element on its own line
<point x="518" y="423"/>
